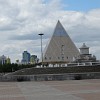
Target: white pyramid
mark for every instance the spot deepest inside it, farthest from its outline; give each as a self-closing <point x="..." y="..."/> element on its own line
<point x="60" y="48"/>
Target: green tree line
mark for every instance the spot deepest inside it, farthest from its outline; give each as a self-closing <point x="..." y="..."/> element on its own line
<point x="13" y="67"/>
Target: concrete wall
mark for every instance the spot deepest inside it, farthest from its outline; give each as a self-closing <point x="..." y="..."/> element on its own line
<point x="50" y="77"/>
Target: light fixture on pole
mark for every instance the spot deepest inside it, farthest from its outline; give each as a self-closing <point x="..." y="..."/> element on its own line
<point x="41" y="34"/>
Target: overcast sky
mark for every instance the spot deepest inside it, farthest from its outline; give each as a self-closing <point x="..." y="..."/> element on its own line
<point x="22" y="20"/>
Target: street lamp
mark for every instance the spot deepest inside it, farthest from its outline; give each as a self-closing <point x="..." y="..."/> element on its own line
<point x="41" y="47"/>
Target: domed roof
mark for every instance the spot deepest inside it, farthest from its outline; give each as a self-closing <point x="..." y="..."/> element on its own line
<point x="84" y="46"/>
<point x="3" y="57"/>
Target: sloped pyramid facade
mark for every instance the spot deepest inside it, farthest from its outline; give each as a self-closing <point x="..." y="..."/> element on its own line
<point x="60" y="48"/>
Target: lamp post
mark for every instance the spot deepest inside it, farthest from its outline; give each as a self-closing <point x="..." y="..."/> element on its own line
<point x="41" y="34"/>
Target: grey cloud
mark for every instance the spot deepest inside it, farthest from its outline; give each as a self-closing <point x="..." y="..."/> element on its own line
<point x="81" y="33"/>
<point x="25" y="19"/>
<point x="25" y="37"/>
<point x="28" y="37"/>
<point x="8" y="28"/>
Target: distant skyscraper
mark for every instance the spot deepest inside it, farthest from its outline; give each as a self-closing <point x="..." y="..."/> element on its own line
<point x="26" y="57"/>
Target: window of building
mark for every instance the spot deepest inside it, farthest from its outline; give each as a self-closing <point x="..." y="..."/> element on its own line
<point x="58" y="57"/>
<point x="62" y="57"/>
<point x="45" y="58"/>
<point x="50" y="58"/>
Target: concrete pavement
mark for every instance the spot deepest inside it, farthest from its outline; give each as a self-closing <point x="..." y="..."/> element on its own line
<point x="51" y="90"/>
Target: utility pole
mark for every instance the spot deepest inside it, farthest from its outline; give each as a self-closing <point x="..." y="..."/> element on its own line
<point x="41" y="34"/>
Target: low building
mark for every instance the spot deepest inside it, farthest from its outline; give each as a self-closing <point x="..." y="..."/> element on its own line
<point x="85" y="56"/>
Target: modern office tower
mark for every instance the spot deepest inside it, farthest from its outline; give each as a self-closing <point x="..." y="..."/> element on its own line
<point x="60" y="48"/>
<point x="25" y="57"/>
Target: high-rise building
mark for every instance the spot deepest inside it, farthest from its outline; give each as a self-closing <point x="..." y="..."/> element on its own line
<point x="25" y="57"/>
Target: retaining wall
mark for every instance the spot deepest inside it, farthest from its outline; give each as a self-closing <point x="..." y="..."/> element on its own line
<point x="52" y="77"/>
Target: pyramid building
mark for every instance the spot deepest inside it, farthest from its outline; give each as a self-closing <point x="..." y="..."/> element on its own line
<point x="61" y="48"/>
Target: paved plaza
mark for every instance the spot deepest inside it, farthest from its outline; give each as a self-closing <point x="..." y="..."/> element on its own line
<point x="51" y="90"/>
